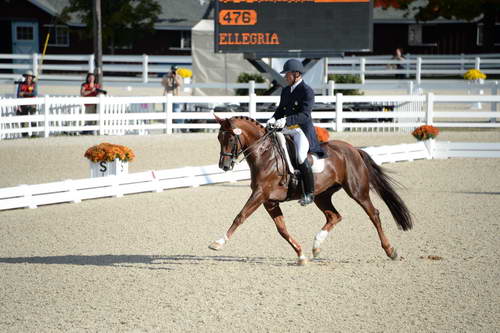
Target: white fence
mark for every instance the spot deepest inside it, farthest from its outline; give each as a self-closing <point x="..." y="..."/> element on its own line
<point x="74" y="191"/>
<point x="414" y="66"/>
<point x="142" y="115"/>
<point x="146" y="68"/>
<point x="67" y="116"/>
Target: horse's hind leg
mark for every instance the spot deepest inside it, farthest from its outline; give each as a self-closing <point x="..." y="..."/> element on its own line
<point x="324" y="202"/>
<point x="274" y="211"/>
<point x="365" y="202"/>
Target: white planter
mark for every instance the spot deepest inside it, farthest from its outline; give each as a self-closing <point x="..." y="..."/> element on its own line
<point x="103" y="169"/>
<point x="430" y="144"/>
<point x="478" y="105"/>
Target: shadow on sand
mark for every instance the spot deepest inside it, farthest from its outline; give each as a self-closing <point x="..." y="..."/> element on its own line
<point x="138" y="261"/>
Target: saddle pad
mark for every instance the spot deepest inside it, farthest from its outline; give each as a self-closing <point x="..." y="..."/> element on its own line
<point x="318" y="164"/>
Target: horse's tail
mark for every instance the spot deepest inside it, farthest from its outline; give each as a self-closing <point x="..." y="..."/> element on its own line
<point x="383" y="185"/>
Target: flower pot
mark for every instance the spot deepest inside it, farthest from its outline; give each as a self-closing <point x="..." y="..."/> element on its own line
<point x="430" y="144"/>
<point x="106" y="168"/>
<point x="478" y="105"/>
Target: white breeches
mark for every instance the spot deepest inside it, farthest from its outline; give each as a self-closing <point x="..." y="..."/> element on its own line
<point x="300" y="141"/>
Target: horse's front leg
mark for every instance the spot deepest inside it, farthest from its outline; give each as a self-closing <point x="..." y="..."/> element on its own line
<point x="274" y="210"/>
<point x="251" y="205"/>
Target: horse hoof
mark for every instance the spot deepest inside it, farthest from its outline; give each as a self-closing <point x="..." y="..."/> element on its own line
<point x="316" y="252"/>
<point x="215" y="246"/>
<point x="302" y="262"/>
<point x="394" y="255"/>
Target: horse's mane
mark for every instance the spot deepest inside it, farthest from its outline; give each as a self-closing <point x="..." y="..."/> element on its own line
<point x="251" y="120"/>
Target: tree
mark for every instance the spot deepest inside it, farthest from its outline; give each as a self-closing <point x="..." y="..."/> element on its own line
<point x="486" y="11"/>
<point x="123" y="21"/>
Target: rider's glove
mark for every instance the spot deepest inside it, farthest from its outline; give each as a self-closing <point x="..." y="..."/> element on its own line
<point x="270" y="123"/>
<point x="280" y="123"/>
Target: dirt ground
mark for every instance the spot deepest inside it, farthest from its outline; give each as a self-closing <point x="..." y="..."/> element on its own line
<point x="141" y="263"/>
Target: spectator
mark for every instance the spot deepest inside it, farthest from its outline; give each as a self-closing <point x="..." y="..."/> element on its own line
<point x="27" y="89"/>
<point x="172" y="84"/>
<point x="90" y="88"/>
<point x="398" y="55"/>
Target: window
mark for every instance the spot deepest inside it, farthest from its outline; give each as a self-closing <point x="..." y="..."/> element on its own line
<point x="497" y="34"/>
<point x="24" y="33"/>
<point x="59" y="35"/>
<point x="480" y="34"/>
<point x="422" y="35"/>
<point x="184" y="41"/>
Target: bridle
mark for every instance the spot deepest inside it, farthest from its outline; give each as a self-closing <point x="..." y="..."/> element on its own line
<point x="237" y="150"/>
<point x="234" y="154"/>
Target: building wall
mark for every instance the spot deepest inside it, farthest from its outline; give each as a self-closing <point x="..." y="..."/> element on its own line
<point x="19" y="10"/>
<point x="449" y="38"/>
<point x="446" y="38"/>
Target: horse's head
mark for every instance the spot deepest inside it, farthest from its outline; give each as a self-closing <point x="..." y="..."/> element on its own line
<point x="235" y="135"/>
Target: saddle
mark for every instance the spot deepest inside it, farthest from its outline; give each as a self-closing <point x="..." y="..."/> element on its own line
<point x="292" y="177"/>
<point x="318" y="165"/>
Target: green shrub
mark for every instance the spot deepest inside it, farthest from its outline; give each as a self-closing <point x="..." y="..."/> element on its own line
<point x="347" y="78"/>
<point x="247" y="77"/>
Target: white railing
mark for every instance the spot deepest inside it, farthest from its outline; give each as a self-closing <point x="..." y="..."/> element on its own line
<point x="32" y="196"/>
<point x="121" y="115"/>
<point x="148" y="68"/>
<point x="72" y="67"/>
<point x="414" y="66"/>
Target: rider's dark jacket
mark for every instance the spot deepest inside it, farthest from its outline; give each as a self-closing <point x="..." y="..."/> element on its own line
<point x="296" y="106"/>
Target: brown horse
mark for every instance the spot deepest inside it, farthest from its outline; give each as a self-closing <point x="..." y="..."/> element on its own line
<point x="345" y="167"/>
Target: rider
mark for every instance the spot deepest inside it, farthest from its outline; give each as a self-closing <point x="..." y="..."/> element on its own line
<point x="294" y="116"/>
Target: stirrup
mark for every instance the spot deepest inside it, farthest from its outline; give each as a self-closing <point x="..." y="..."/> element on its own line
<point x="307" y="199"/>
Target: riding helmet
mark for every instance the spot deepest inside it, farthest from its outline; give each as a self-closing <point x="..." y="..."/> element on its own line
<point x="293" y="65"/>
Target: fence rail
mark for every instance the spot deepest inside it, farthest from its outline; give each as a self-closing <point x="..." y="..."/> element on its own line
<point x="74" y="191"/>
<point x="142" y="115"/>
<point x="146" y="68"/>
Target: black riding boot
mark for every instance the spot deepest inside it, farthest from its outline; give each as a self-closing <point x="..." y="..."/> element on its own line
<point x="307" y="182"/>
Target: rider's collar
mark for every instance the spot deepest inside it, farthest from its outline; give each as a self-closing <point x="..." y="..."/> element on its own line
<point x="295" y="85"/>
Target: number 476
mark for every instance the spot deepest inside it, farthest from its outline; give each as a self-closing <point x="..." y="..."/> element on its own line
<point x="237" y="17"/>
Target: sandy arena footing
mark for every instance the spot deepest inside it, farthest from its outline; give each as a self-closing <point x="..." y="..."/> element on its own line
<point x="141" y="263"/>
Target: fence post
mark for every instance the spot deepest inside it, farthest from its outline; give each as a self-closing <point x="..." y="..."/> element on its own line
<point x="1" y="124"/>
<point x="252" y="106"/>
<point x="430" y="109"/>
<point x="46" y="109"/>
<point x="168" y="109"/>
<point x="410" y="88"/>
<point x="494" y="92"/>
<point x="362" y="68"/>
<point x="100" y="112"/>
<point x="331" y="87"/>
<point x="325" y="72"/>
<point x="418" y="75"/>
<point x="338" y="112"/>
<point x="145" y="68"/>
<point x="477" y="63"/>
<point x="91" y="63"/>
<point x="251" y="87"/>
<point x="35" y="64"/>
